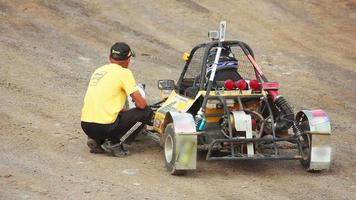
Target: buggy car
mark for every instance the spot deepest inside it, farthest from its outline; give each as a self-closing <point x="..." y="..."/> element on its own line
<point x="223" y="105"/>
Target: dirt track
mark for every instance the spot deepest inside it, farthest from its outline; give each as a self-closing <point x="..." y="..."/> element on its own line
<point x="48" y="49"/>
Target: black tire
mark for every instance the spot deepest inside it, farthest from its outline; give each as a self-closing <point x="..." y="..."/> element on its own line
<point x="306" y="152"/>
<point x="306" y="142"/>
<point x="169" y="147"/>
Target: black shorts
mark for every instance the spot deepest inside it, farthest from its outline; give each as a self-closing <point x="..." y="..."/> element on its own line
<point x="132" y="120"/>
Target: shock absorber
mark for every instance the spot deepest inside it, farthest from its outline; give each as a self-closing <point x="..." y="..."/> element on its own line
<point x="296" y="129"/>
<point x="286" y="115"/>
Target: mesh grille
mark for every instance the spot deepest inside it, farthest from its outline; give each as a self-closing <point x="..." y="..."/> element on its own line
<point x="245" y="68"/>
<point x="195" y="65"/>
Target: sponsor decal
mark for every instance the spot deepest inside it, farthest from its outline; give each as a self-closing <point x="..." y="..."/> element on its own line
<point x="157" y="123"/>
<point x="168" y="107"/>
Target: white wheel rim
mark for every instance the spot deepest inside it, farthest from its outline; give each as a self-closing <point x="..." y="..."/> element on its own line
<point x="168" y="149"/>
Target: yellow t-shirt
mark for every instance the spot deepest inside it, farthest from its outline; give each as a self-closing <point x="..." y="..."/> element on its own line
<point x="106" y="94"/>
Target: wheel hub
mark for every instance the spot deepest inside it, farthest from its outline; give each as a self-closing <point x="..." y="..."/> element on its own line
<point x="168" y="149"/>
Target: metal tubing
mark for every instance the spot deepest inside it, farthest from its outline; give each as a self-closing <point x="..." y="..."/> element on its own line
<point x="297" y="157"/>
<point x="272" y="121"/>
<point x="246" y="140"/>
<point x="226" y="110"/>
<point x="240" y="104"/>
<point x="222" y="30"/>
<point x="234" y="97"/>
<point x="258" y="70"/>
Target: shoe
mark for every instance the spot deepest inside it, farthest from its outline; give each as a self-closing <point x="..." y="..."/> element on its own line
<point x="94" y="147"/>
<point x="117" y="150"/>
<point x="121" y="152"/>
<point x="125" y="148"/>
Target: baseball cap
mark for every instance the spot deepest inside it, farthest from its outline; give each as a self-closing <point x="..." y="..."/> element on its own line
<point x="121" y="51"/>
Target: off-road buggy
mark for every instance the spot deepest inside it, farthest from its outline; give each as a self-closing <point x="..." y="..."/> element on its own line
<point x="223" y="105"/>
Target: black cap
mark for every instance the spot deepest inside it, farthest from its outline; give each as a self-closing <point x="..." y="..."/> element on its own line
<point x="120" y="51"/>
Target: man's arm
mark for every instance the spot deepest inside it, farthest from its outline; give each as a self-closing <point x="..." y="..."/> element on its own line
<point x="140" y="102"/>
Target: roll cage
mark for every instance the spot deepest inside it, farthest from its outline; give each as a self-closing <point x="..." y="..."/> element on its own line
<point x="199" y="79"/>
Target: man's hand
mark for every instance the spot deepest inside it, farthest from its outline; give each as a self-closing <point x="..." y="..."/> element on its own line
<point x="140" y="102"/>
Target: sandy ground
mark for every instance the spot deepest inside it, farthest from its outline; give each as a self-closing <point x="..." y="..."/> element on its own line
<point x="48" y="49"/>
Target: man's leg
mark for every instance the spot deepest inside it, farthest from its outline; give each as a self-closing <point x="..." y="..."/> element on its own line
<point x="97" y="133"/>
<point x="130" y="124"/>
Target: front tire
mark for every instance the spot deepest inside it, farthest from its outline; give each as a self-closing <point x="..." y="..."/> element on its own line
<point x="169" y="149"/>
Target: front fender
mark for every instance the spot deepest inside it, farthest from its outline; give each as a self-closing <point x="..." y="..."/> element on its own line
<point x="186" y="140"/>
<point x="183" y="122"/>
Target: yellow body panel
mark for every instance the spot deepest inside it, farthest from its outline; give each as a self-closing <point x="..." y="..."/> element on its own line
<point x="176" y="103"/>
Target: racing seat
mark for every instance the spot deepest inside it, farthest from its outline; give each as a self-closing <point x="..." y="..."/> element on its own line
<point x="225" y="69"/>
<point x="223" y="74"/>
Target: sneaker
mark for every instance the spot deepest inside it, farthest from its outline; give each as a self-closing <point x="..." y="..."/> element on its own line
<point x="94" y="147"/>
<point x="125" y="148"/>
<point x="120" y="152"/>
<point x="115" y="149"/>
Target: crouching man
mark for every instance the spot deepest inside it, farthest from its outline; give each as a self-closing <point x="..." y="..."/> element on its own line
<point x="103" y="119"/>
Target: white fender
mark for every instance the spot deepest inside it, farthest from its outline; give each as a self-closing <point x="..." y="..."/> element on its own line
<point x="183" y="123"/>
<point x="320" y="136"/>
<point x="186" y="140"/>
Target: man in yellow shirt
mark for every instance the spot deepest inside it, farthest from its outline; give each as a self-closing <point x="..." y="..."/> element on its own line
<point x="103" y="117"/>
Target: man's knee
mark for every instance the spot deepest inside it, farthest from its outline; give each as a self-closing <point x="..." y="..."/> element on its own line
<point x="136" y="114"/>
<point x="145" y="114"/>
<point x="148" y="113"/>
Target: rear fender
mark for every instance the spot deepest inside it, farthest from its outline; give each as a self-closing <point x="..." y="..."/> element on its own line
<point x="320" y="132"/>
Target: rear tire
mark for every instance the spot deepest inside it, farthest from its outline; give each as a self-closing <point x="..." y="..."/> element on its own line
<point x="169" y="149"/>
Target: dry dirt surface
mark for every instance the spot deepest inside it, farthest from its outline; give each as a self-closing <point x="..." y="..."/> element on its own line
<point x="49" y="48"/>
